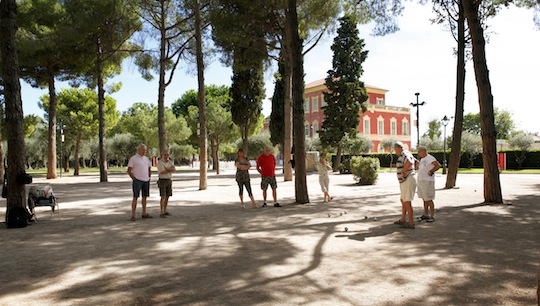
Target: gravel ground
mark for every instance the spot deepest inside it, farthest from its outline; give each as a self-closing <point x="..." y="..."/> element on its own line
<point x="212" y="252"/>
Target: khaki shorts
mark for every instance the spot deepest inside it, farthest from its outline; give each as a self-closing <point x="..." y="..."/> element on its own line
<point x="165" y="187"/>
<point x="426" y="190"/>
<point x="268" y="180"/>
<point x="408" y="188"/>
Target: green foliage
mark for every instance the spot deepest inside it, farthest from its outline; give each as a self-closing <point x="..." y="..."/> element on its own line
<point x="78" y="112"/>
<point x="277" y="116"/>
<point x="504" y="124"/>
<point x="256" y="145"/>
<point x="35" y="142"/>
<point x="431" y="144"/>
<point x="247" y="93"/>
<point x="141" y="121"/>
<point x="434" y="130"/>
<point x="313" y="144"/>
<point x="357" y="144"/>
<point x="523" y="142"/>
<point x="346" y="93"/>
<point x="365" y="169"/>
<point x="122" y="147"/>
<point x="46" y="45"/>
<point x="471" y="144"/>
<point x="178" y="151"/>
<point x="31" y="124"/>
<point x="106" y="26"/>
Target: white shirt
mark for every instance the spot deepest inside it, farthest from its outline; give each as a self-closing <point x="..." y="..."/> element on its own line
<point x="140" y="167"/>
<point x="426" y="165"/>
<point x="161" y="166"/>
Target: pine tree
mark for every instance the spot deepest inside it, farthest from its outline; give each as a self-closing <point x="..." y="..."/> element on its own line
<point x="277" y="117"/>
<point x="346" y="94"/>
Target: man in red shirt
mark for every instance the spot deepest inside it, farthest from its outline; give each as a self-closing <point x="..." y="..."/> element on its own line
<point x="266" y="165"/>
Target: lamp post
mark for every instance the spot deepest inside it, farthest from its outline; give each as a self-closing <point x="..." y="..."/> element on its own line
<point x="445" y="121"/>
<point x="417" y="105"/>
<point x="61" y="142"/>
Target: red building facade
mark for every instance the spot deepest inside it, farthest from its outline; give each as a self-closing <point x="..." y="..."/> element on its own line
<point x="379" y="122"/>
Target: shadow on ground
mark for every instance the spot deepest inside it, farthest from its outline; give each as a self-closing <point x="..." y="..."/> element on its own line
<point x="214" y="253"/>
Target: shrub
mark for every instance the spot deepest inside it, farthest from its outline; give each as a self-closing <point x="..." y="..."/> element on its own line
<point x="365" y="169"/>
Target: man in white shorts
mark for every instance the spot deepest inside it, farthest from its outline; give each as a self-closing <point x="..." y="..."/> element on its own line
<point x="405" y="166"/>
<point x="426" y="182"/>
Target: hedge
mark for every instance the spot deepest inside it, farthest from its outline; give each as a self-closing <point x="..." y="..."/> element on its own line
<point x="532" y="159"/>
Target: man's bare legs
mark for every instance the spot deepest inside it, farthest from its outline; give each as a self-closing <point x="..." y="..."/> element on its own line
<point x="133" y="207"/>
<point x="143" y="206"/>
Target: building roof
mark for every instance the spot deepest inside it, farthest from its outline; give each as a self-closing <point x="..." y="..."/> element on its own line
<point x="322" y="81"/>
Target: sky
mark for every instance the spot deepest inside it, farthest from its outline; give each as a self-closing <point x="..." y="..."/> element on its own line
<point x="418" y="58"/>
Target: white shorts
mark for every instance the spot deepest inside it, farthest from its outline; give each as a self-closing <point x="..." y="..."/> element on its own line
<point x="426" y="190"/>
<point x="407" y="189"/>
<point x="324" y="180"/>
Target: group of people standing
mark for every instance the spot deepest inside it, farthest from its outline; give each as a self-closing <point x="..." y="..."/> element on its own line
<point x="266" y="166"/>
<point x="140" y="171"/>
<point x="407" y="166"/>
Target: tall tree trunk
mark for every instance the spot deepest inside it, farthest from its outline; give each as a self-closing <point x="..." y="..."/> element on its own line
<point x="215" y="155"/>
<point x="338" y="158"/>
<point x="300" y="182"/>
<point x="161" y="88"/>
<point x="245" y="143"/>
<point x="287" y="114"/>
<point x="202" y="99"/>
<point x="455" y="147"/>
<point x="51" y="134"/>
<point x="14" y="112"/>
<point x="492" y="183"/>
<point x="103" y="177"/>
<point x="76" y="166"/>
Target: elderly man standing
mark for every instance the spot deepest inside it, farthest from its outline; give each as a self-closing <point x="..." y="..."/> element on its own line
<point x="140" y="171"/>
<point x="426" y="182"/>
<point x="165" y="168"/>
<point x="266" y="165"/>
<point x="407" y="183"/>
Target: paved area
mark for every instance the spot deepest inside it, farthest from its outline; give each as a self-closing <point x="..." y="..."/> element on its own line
<point x="212" y="252"/>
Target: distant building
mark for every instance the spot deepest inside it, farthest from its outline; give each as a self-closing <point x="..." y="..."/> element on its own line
<point x="380" y="121"/>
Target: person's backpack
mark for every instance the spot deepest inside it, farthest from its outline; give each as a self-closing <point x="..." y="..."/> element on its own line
<point x="17" y="217"/>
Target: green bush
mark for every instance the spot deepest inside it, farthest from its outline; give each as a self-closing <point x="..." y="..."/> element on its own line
<point x="365" y="169"/>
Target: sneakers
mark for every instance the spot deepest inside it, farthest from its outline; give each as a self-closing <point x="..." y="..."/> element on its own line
<point x="424" y="217"/>
<point x="264" y="205"/>
<point x="163" y="216"/>
<point x="277" y="205"/>
<point x="431" y="219"/>
<point x="398" y="222"/>
<point x="408" y="225"/>
<point x="147" y="216"/>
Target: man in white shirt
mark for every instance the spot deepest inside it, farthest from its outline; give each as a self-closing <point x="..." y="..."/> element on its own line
<point x="426" y="182"/>
<point x="165" y="168"/>
<point x="140" y="171"/>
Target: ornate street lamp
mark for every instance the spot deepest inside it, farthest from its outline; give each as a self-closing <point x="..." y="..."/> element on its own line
<point x="445" y="121"/>
<point x="417" y="105"/>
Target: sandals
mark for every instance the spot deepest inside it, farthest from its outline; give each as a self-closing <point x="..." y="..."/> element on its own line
<point x="146" y="216"/>
<point x="399" y="222"/>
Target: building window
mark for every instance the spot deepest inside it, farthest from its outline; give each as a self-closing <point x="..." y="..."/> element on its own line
<point x="323" y="101"/>
<point x="315" y="128"/>
<point x="307" y="130"/>
<point x="393" y="126"/>
<point x="380" y="101"/>
<point x="306" y="108"/>
<point x="367" y="130"/>
<point x="315" y="101"/>
<point x="380" y="126"/>
<point x="381" y="148"/>
<point x="405" y="127"/>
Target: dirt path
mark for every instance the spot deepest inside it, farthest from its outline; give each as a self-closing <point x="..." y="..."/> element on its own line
<point x="211" y="252"/>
